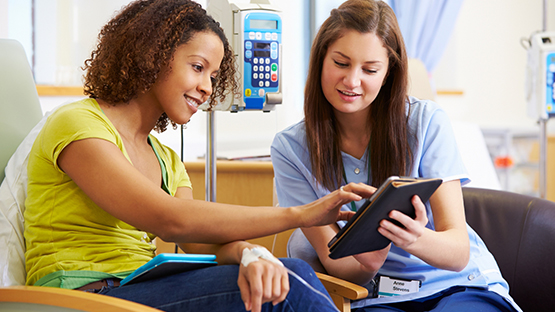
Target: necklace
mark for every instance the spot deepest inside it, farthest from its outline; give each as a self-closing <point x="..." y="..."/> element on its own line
<point x="357" y="171"/>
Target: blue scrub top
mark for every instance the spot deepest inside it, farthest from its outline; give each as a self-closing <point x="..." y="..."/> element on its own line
<point x="435" y="155"/>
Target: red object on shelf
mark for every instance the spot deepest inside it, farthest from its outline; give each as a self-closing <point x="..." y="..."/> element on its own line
<point x="504" y="161"/>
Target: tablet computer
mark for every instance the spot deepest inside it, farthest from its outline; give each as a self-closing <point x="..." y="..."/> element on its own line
<point x="361" y="234"/>
<point x="167" y="264"/>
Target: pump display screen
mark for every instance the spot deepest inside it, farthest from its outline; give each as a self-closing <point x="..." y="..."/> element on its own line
<point x="258" y="53"/>
<point x="262" y="45"/>
<point x="263" y="24"/>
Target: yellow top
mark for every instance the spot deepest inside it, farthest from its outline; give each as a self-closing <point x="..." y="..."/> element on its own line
<point x="64" y="229"/>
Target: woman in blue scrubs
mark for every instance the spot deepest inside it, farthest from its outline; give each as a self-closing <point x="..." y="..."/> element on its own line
<point x="360" y="126"/>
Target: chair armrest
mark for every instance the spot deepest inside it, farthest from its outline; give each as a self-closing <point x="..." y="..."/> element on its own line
<point x="341" y="287"/>
<point x="70" y="299"/>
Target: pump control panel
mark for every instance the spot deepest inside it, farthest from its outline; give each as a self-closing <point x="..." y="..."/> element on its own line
<point x="254" y="31"/>
<point x="540" y="79"/>
<point x="262" y="37"/>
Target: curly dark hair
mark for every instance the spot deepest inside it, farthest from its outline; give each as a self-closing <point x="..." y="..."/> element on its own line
<point x="140" y="40"/>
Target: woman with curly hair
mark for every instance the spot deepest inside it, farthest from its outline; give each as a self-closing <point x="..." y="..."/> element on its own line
<point x="101" y="188"/>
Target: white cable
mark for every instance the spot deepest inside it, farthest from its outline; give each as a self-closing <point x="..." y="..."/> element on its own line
<point x="274" y="243"/>
<point x="300" y="279"/>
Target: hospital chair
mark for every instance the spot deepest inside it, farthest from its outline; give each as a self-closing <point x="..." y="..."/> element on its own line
<point x="20" y="112"/>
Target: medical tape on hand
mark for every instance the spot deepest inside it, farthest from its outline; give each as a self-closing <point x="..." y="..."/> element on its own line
<point x="252" y="255"/>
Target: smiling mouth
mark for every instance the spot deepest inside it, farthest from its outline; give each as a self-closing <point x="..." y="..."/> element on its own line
<point x="193" y="102"/>
<point x="348" y="93"/>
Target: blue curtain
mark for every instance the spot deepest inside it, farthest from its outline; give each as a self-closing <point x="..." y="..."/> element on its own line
<point x="426" y="26"/>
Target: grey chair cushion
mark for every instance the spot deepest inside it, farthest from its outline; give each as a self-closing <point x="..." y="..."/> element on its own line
<point x="299" y="247"/>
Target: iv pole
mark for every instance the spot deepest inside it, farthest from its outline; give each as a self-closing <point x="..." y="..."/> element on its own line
<point x="543" y="131"/>
<point x="543" y="157"/>
<point x="210" y="157"/>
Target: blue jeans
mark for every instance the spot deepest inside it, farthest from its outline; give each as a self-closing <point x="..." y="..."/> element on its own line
<point x="454" y="299"/>
<point x="215" y="289"/>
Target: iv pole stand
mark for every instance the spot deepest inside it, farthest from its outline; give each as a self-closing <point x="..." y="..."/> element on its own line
<point x="210" y="157"/>
<point x="543" y="157"/>
<point x="543" y="131"/>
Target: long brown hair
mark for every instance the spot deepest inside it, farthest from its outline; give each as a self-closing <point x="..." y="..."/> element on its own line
<point x="389" y="148"/>
<point x="134" y="46"/>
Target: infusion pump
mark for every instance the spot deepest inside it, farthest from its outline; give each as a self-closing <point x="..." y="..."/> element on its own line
<point x="540" y="77"/>
<point x="254" y="32"/>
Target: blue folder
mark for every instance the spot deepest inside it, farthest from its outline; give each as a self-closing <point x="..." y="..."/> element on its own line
<point x="168" y="264"/>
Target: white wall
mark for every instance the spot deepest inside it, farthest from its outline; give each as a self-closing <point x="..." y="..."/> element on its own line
<point x="487" y="62"/>
<point x="3" y="18"/>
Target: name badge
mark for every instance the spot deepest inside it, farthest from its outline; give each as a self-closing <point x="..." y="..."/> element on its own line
<point x="389" y="286"/>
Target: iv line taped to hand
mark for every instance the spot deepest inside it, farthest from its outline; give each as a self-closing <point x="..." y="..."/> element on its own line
<point x="252" y="255"/>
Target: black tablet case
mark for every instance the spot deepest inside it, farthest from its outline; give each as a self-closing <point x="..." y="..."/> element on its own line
<point x="361" y="234"/>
